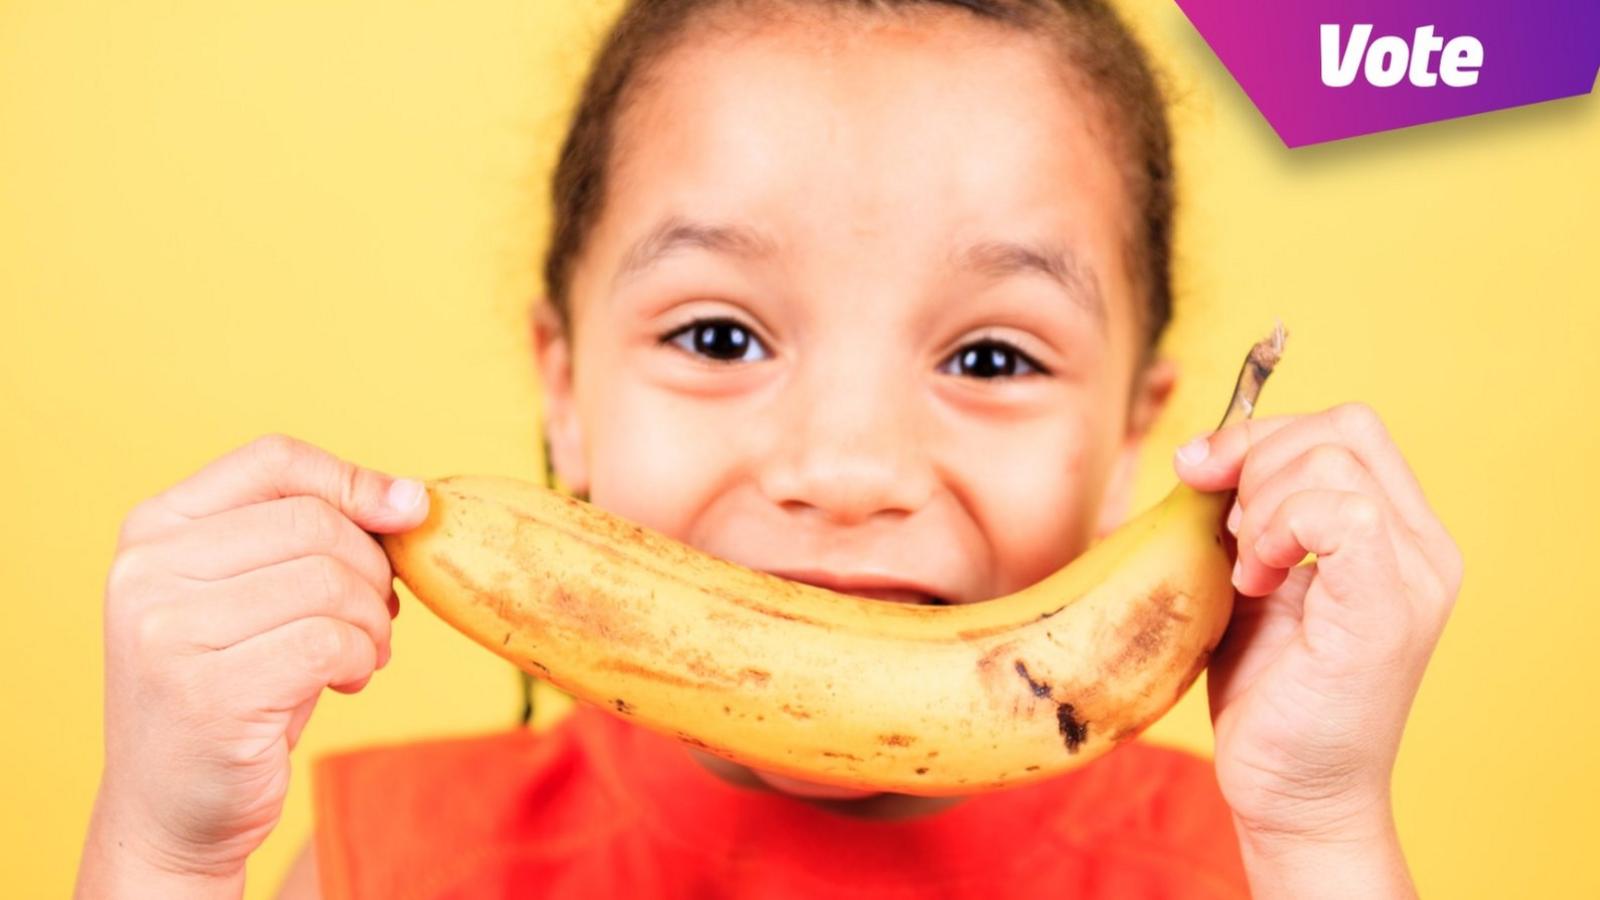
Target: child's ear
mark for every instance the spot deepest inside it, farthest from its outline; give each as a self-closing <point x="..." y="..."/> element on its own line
<point x="563" y="432"/>
<point x="1151" y="391"/>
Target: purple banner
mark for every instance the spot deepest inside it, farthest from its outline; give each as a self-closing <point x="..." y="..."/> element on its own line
<point x="1321" y="70"/>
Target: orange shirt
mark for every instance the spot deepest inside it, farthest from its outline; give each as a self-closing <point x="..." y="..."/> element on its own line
<point x="597" y="807"/>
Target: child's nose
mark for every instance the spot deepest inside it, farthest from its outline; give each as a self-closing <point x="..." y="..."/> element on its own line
<point x="850" y="455"/>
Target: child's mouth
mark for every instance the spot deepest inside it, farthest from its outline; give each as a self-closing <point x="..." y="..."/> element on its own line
<point x="872" y="587"/>
<point x="896" y="596"/>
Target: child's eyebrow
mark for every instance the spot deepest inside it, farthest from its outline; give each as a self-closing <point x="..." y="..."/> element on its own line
<point x="675" y="232"/>
<point x="1000" y="259"/>
<point x="993" y="258"/>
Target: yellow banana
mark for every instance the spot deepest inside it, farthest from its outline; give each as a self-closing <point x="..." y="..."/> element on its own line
<point x="829" y="687"/>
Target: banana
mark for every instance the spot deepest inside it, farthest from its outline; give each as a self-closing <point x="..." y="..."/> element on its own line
<point x="828" y="687"/>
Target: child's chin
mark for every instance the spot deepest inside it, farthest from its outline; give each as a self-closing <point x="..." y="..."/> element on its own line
<point x="735" y="773"/>
<point x="794" y="787"/>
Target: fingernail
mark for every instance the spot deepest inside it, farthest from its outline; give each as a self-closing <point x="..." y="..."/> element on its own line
<point x="1195" y="452"/>
<point x="1258" y="544"/>
<point x="1234" y="516"/>
<point x="1238" y="569"/>
<point x="404" y="494"/>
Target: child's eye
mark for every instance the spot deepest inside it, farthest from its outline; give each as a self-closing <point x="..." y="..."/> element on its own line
<point x="723" y="340"/>
<point x="990" y="358"/>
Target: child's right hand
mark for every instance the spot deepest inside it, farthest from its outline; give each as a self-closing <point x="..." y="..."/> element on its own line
<point x="235" y="597"/>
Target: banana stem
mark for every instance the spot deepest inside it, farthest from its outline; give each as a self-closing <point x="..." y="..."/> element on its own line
<point x="1253" y="374"/>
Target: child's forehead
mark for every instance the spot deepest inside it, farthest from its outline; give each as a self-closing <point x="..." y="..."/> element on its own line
<point x="911" y="112"/>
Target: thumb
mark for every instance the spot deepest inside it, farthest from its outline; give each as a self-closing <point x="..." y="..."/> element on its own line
<point x="276" y="466"/>
<point x="388" y="504"/>
<point x="1212" y="462"/>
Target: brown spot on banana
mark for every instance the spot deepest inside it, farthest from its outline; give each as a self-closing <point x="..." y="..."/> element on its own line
<point x="701" y="665"/>
<point x="532" y="628"/>
<point x="691" y="740"/>
<point x="1145" y="632"/>
<point x="1073" y="731"/>
<point x="772" y="611"/>
<point x="478" y="592"/>
<point x="1039" y="688"/>
<point x="989" y="664"/>
<point x="1192" y="669"/>
<point x="627" y="667"/>
<point x="896" y="740"/>
<point x="598" y="618"/>
<point x="978" y="634"/>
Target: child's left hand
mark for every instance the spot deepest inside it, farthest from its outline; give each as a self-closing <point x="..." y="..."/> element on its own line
<point x="1312" y="683"/>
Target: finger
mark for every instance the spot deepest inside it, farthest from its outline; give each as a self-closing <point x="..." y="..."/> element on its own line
<point x="1325" y="467"/>
<point x="239" y="540"/>
<point x="1212" y="462"/>
<point x="354" y="687"/>
<point x="1356" y="563"/>
<point x="276" y="466"/>
<point x="223" y="613"/>
<point x="148" y="520"/>
<point x="281" y="669"/>
<point x="1359" y="429"/>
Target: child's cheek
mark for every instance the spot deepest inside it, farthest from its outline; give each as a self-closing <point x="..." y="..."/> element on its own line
<point x="1036" y="503"/>
<point x="657" y="459"/>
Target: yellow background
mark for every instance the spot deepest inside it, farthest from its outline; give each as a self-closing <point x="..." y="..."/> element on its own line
<point x="221" y="219"/>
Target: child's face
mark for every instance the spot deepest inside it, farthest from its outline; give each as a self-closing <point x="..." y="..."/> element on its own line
<point x="890" y="390"/>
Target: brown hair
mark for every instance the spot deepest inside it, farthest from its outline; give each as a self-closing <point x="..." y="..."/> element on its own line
<point x="1094" y="40"/>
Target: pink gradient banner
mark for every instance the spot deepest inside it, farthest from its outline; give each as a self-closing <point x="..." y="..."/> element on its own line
<point x="1322" y="70"/>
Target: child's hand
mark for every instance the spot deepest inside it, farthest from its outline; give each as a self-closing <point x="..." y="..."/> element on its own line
<point x="1311" y="686"/>
<point x="234" y="599"/>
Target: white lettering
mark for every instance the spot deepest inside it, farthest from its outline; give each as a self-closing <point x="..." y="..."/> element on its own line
<point x="1388" y="60"/>
<point x="1339" y="69"/>
<point x="1381" y="73"/>
<point x="1423" y="46"/>
<point x="1463" y="56"/>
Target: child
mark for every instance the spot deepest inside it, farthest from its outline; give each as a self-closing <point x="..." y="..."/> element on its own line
<point x="865" y="294"/>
